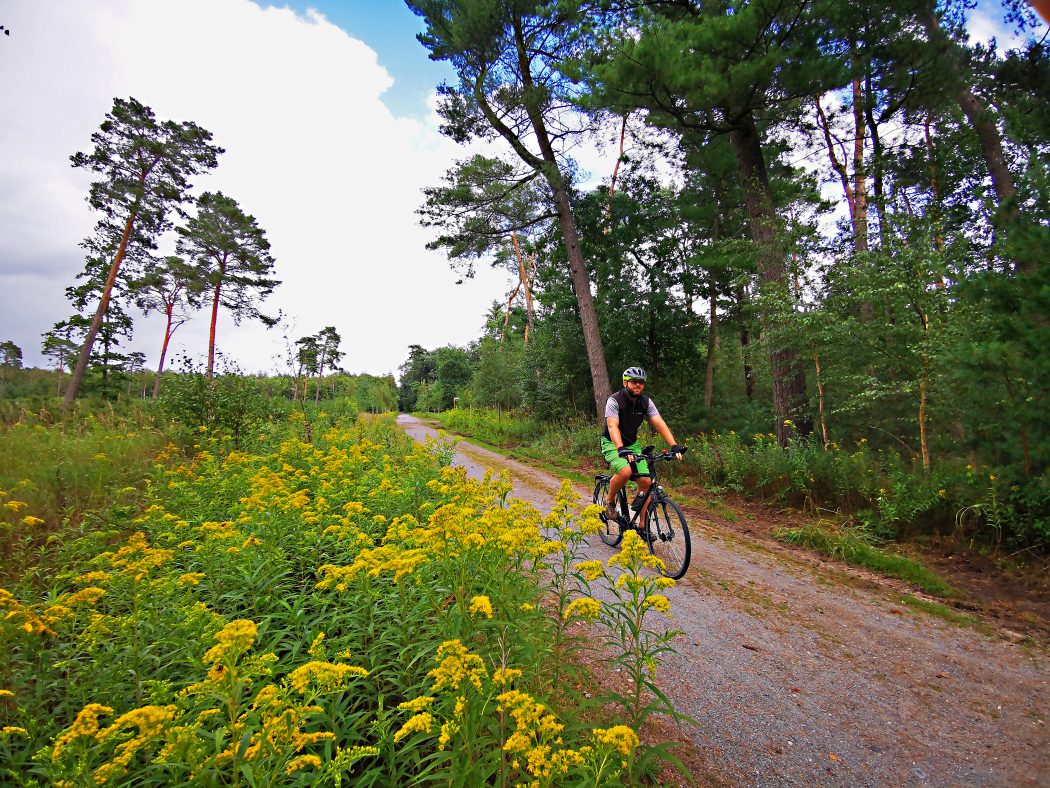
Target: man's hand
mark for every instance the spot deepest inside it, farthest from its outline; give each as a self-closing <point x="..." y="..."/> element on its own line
<point x="677" y="451"/>
<point x="626" y="453"/>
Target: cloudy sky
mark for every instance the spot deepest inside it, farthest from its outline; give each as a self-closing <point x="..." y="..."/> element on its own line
<point x="325" y="117"/>
<point x="325" y="111"/>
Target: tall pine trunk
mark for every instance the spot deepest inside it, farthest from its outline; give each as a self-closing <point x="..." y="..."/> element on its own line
<point x="581" y="283"/>
<point x="163" y="352"/>
<point x="789" y="382"/>
<point x="214" y="320"/>
<point x="980" y="121"/>
<point x="96" y="322"/>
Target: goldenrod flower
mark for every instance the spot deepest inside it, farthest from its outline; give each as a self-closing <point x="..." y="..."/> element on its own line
<point x="584" y="607"/>
<point x="592" y="570"/>
<point x="12" y="730"/>
<point x="84" y="726"/>
<point x="31" y="520"/>
<point x="456" y="666"/>
<point x="619" y="737"/>
<point x="326" y="676"/>
<point x="481" y="605"/>
<point x="419" y="723"/>
<point x="417" y="704"/>
<point x="191" y="578"/>
<point x="505" y="676"/>
<point x="302" y="762"/>
<point x="657" y="602"/>
<point x="237" y="636"/>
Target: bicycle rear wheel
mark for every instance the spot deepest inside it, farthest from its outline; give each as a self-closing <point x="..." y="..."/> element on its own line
<point x="667" y="535"/>
<point x="610" y="532"/>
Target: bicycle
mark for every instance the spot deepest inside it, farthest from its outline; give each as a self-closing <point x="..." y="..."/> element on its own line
<point x="666" y="532"/>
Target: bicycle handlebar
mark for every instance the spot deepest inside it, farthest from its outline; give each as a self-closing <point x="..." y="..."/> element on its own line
<point x="648" y="455"/>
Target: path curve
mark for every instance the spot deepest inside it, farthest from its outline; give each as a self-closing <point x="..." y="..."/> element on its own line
<point x="796" y="679"/>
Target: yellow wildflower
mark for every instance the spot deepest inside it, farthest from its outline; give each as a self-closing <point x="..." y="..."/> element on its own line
<point x="619" y="737"/>
<point x="326" y="676"/>
<point x="592" y="570"/>
<point x="456" y="666"/>
<point x="419" y="723"/>
<point x="585" y="607"/>
<point x="15" y="506"/>
<point x="86" y="596"/>
<point x="11" y="730"/>
<point x="31" y="520"/>
<point x="657" y="602"/>
<point x="237" y="636"/>
<point x="302" y="762"/>
<point x="417" y="704"/>
<point x="481" y="605"/>
<point x="505" y="676"/>
<point x="6" y="693"/>
<point x="191" y="578"/>
<point x="84" y="726"/>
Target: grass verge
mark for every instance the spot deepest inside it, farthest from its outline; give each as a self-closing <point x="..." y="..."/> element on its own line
<point x="856" y="547"/>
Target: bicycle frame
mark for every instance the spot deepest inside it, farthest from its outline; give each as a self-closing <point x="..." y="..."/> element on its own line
<point x="654" y="489"/>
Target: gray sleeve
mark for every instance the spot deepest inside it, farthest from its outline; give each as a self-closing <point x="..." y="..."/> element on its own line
<point x="612" y="409"/>
<point x="653" y="412"/>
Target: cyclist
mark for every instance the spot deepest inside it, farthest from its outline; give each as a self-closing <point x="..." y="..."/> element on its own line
<point x="624" y="413"/>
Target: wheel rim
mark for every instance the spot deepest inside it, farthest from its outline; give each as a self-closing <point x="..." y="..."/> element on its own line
<point x="668" y="537"/>
<point x="610" y="531"/>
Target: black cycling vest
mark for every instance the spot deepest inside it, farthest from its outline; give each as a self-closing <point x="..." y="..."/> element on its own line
<point x="633" y="411"/>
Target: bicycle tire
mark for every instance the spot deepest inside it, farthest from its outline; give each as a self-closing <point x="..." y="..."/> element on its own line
<point x="667" y="535"/>
<point x="610" y="532"/>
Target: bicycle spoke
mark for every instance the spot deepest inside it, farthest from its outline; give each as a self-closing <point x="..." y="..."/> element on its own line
<point x="668" y="536"/>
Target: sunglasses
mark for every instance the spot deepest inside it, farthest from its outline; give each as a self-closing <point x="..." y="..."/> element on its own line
<point x="633" y="380"/>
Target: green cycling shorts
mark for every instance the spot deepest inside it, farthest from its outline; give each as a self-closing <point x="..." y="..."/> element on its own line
<point x="618" y="463"/>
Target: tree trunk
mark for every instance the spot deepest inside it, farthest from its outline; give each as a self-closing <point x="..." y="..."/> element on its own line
<point x="876" y="159"/>
<point x="89" y="340"/>
<point x="860" y="182"/>
<point x="712" y="346"/>
<point x="581" y="284"/>
<point x="749" y="375"/>
<point x="214" y="319"/>
<point x="983" y="126"/>
<point x="820" y="398"/>
<point x="789" y="382"/>
<point x="163" y="352"/>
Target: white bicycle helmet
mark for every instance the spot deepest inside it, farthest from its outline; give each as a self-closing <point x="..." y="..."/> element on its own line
<point x="634" y="373"/>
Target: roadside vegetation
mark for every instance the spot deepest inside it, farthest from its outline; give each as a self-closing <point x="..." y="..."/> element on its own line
<point x="297" y="597"/>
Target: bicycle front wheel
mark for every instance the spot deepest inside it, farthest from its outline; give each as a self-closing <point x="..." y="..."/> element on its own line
<point x="667" y="535"/>
<point x="610" y="532"/>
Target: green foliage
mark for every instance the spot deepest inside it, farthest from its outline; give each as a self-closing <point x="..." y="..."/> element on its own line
<point x="229" y="402"/>
<point x="857" y="547"/>
<point x="302" y="613"/>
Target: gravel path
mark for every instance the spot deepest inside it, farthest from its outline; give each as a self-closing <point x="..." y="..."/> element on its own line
<point x="796" y="678"/>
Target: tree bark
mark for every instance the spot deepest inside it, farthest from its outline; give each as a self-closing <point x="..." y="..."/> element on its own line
<point x="581" y="284"/>
<point x="860" y="182"/>
<point x="789" y="382"/>
<point x="712" y="346"/>
<point x="211" y="330"/>
<point x="163" y="352"/>
<point x="89" y="340"/>
<point x="983" y="126"/>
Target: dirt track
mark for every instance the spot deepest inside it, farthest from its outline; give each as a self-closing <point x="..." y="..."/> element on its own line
<point x="798" y="678"/>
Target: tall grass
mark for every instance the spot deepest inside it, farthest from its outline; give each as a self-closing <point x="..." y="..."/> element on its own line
<point x="53" y="471"/>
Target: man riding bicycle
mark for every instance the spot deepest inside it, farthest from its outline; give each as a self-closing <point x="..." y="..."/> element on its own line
<point x="624" y="413"/>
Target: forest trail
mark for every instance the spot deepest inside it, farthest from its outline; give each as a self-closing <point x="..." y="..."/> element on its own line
<point x="796" y="676"/>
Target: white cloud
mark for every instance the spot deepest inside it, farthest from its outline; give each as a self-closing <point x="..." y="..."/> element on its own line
<point x="312" y="153"/>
